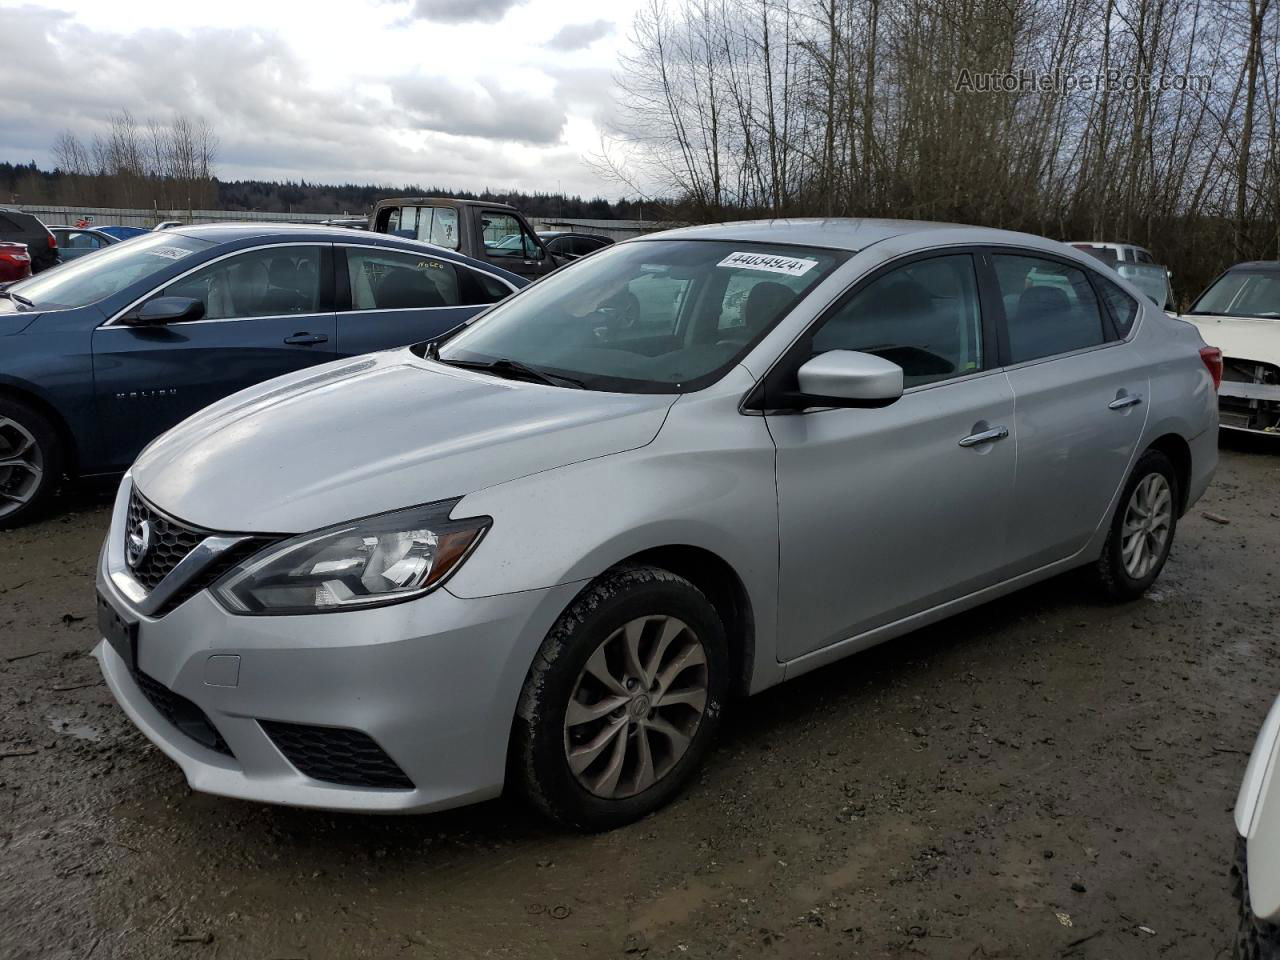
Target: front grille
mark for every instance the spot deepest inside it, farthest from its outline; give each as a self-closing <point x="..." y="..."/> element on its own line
<point x="182" y="713"/>
<point x="336" y="755"/>
<point x="171" y="540"/>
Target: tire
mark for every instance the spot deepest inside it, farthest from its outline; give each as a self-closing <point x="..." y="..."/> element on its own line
<point x="598" y="627"/>
<point x="25" y="488"/>
<point x="1122" y="580"/>
<point x="1255" y="939"/>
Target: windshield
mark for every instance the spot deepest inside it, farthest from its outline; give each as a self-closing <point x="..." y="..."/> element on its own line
<point x="110" y="270"/>
<point x="653" y="316"/>
<point x="1151" y="279"/>
<point x="1242" y="293"/>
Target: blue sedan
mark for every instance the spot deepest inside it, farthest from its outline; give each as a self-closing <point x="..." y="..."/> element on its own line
<point x="103" y="354"/>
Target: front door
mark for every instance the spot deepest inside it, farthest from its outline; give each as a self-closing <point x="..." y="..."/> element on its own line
<point x="887" y="512"/>
<point x="1082" y="404"/>
<point x="267" y="312"/>
<point x="506" y="242"/>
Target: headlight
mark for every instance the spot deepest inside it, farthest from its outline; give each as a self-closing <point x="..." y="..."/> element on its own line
<point x="365" y="563"/>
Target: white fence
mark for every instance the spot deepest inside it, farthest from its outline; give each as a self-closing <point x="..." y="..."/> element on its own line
<point x="101" y="216"/>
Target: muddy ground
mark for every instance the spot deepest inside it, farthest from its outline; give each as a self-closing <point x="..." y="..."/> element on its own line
<point x="1050" y="776"/>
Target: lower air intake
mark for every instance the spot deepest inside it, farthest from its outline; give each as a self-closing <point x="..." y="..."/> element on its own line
<point x="336" y="755"/>
<point x="182" y="713"/>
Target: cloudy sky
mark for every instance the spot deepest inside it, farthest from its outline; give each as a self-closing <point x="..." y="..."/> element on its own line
<point x="459" y="93"/>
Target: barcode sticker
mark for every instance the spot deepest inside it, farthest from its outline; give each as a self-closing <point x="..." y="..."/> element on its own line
<point x="769" y="263"/>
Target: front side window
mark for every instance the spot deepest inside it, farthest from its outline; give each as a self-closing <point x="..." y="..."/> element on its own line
<point x="1242" y="293"/>
<point x="651" y="316"/>
<point x="87" y="280"/>
<point x="1049" y="306"/>
<point x="504" y="236"/>
<point x="394" y="280"/>
<point x="272" y="281"/>
<point x="924" y="316"/>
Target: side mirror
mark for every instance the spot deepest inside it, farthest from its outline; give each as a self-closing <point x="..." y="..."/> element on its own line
<point x="162" y="310"/>
<point x="847" y="378"/>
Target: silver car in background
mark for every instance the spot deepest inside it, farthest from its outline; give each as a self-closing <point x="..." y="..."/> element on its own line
<point x="690" y="466"/>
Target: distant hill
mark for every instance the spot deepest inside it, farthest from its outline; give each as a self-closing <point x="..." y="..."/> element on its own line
<point x="27" y="183"/>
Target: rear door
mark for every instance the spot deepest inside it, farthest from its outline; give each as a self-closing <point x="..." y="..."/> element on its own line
<point x="268" y="311"/>
<point x="390" y="298"/>
<point x="1081" y="395"/>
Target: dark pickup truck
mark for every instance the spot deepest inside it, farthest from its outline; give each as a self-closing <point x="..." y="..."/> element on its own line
<point x="492" y="232"/>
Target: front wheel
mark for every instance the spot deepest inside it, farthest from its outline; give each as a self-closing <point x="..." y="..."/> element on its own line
<point x="1142" y="529"/>
<point x="30" y="462"/>
<point x="623" y="699"/>
<point x="1255" y="939"/>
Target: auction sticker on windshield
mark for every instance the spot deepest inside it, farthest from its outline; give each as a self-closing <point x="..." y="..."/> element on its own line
<point x="170" y="253"/>
<point x="791" y="266"/>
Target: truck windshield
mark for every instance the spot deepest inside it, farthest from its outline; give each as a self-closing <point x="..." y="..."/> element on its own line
<point x="652" y="316"/>
<point x="107" y="272"/>
<point x="1242" y="293"/>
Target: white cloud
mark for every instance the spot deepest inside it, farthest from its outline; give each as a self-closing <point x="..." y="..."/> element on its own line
<point x="463" y="11"/>
<point x="577" y="36"/>
<point x="362" y="98"/>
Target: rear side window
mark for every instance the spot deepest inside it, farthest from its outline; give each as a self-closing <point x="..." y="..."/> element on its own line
<point x="395" y="280"/>
<point x="1124" y="309"/>
<point x="1049" y="306"/>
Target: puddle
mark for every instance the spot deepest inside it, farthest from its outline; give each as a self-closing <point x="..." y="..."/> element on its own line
<point x="74" y="727"/>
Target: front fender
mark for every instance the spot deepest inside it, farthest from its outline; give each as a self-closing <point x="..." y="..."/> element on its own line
<point x="706" y="481"/>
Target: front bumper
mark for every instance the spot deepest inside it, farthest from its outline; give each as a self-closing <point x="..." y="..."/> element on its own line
<point x="1249" y="407"/>
<point x="434" y="682"/>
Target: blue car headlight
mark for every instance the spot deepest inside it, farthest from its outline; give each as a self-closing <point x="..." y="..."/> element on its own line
<point x="364" y="563"/>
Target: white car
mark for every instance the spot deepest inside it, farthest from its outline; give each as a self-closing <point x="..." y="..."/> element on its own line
<point x="1240" y="314"/>
<point x="1258" y="849"/>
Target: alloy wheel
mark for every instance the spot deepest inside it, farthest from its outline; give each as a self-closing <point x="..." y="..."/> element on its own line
<point x="21" y="466"/>
<point x="1148" y="519"/>
<point x="636" y="706"/>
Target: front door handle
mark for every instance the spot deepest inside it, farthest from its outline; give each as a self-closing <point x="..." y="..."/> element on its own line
<point x="1124" y="400"/>
<point x="986" y="436"/>
<point x="307" y="339"/>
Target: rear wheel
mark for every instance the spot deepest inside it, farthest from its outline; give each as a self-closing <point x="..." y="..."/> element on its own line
<point x="623" y="699"/>
<point x="1142" y="529"/>
<point x="31" y="461"/>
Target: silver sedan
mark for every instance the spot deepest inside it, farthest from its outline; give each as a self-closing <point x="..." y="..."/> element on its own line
<point x="548" y="546"/>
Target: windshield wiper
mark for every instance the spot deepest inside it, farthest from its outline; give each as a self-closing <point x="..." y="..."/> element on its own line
<point x="511" y="369"/>
<point x="17" y="297"/>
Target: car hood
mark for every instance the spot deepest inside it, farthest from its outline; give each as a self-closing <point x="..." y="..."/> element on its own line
<point x="390" y="430"/>
<point x="1241" y="338"/>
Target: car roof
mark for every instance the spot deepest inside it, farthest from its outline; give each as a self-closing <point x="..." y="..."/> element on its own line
<point x="841" y="233"/>
<point x="319" y="233"/>
<point x="392" y="201"/>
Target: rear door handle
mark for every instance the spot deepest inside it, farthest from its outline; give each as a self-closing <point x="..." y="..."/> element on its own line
<point x="307" y="339"/>
<point x="986" y="436"/>
<point x="1126" y="400"/>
